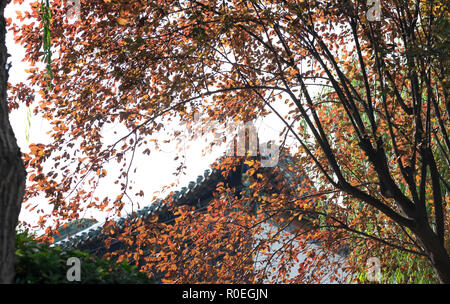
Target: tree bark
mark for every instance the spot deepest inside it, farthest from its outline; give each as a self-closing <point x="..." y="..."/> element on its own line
<point x="439" y="258"/>
<point x="12" y="170"/>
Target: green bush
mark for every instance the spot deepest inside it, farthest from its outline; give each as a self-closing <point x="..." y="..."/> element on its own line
<point x="44" y="264"/>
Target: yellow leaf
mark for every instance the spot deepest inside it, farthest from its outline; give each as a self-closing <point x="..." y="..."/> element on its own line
<point x="249" y="162"/>
<point x="122" y="21"/>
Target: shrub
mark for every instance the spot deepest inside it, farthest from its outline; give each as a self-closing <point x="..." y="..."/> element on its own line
<point x="45" y="264"/>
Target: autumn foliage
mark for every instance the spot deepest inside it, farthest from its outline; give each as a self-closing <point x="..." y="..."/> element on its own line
<point x="366" y="103"/>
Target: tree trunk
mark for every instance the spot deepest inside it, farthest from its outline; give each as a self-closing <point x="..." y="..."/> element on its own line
<point x="433" y="246"/>
<point x="12" y="171"/>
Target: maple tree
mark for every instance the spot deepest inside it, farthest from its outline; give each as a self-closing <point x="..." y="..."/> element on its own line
<point x="370" y="164"/>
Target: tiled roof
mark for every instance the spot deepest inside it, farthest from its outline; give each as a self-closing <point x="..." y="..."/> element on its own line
<point x="195" y="190"/>
<point x="182" y="196"/>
